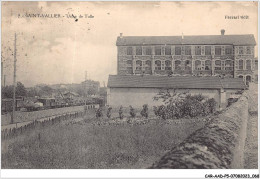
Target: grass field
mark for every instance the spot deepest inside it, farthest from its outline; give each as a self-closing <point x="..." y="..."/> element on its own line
<point x="84" y="145"/>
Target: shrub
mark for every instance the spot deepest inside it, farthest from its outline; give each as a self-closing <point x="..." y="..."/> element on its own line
<point x="144" y="112"/>
<point x="121" y="115"/>
<point x="99" y="112"/>
<point x="183" y="105"/>
<point x="109" y="112"/>
<point x="212" y="105"/>
<point x="132" y="112"/>
<point x="160" y="111"/>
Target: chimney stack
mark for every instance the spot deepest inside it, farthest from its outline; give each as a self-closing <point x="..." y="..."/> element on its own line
<point x="222" y="31"/>
<point x="121" y="35"/>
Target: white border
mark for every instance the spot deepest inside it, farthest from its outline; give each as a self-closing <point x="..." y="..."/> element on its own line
<point x="129" y="173"/>
<point x="122" y="173"/>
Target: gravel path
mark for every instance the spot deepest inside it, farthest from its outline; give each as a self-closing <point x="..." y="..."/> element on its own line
<point x="251" y="147"/>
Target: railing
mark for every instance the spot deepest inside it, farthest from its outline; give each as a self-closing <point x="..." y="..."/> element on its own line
<point x="12" y="130"/>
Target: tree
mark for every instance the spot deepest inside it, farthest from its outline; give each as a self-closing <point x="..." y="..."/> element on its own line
<point x="20" y="89"/>
<point x="7" y="91"/>
<point x="92" y="90"/>
<point x="45" y="91"/>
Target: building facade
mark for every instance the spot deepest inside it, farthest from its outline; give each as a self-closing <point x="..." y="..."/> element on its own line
<point x="210" y="55"/>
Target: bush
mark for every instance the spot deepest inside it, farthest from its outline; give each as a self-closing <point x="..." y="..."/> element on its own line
<point x="212" y="105"/>
<point x="184" y="105"/>
<point x="121" y="115"/>
<point x="144" y="112"/>
<point x="132" y="112"/>
<point x="99" y="112"/>
<point x="160" y="111"/>
<point x="109" y="112"/>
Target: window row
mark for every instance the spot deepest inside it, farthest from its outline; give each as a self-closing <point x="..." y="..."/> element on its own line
<point x="198" y="65"/>
<point x="139" y="50"/>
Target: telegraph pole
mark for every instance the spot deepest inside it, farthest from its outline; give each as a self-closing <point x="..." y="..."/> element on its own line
<point x="2" y="72"/>
<point x="4" y="79"/>
<point x="14" y="84"/>
<point x="85" y="85"/>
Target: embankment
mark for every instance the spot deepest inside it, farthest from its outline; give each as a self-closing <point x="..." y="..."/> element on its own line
<point x="220" y="144"/>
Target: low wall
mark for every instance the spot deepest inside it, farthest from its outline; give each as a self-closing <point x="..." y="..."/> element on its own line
<point x="218" y="145"/>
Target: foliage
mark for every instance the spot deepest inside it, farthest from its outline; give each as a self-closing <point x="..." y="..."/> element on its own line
<point x="121" y="115"/>
<point x="144" y="112"/>
<point x="109" y="112"/>
<point x="99" y="112"/>
<point x="179" y="105"/>
<point x="132" y="112"/>
<point x="7" y="91"/>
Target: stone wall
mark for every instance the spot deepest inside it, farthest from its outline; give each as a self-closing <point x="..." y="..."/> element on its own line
<point x="219" y="145"/>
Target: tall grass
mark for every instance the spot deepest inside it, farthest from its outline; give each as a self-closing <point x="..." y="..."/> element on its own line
<point x="93" y="146"/>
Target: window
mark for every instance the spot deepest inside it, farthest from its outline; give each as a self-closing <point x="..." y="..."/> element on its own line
<point x="168" y="65"/>
<point x="129" y="62"/>
<point x="217" y="65"/>
<point x="248" y="50"/>
<point x="198" y="65"/>
<point x="177" y="65"/>
<point x="138" y="50"/>
<point x="177" y="50"/>
<point x="217" y="50"/>
<point x="158" y="65"/>
<point x="217" y="62"/>
<point x="158" y="50"/>
<point x="229" y="65"/>
<point x="207" y="65"/>
<point x="187" y="50"/>
<point x="197" y="50"/>
<point x="148" y="65"/>
<point x="240" y="65"/>
<point x="208" y="50"/>
<point x="187" y="65"/>
<point x="148" y="51"/>
<point x="248" y="64"/>
<point x="129" y="50"/>
<point x="228" y="50"/>
<point x="138" y="65"/>
<point x="168" y="50"/>
<point x="240" y="50"/>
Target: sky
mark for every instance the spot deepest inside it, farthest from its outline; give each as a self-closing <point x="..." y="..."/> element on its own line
<point x="60" y="50"/>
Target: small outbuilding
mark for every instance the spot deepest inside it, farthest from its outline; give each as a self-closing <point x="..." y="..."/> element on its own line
<point x="137" y="90"/>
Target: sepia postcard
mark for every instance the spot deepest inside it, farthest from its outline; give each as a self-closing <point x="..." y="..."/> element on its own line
<point x="129" y="85"/>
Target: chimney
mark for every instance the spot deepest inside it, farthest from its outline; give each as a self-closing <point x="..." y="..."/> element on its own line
<point x="222" y="31"/>
<point x="121" y="35"/>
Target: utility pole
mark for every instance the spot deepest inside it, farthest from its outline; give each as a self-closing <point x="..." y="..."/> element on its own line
<point x="85" y="86"/>
<point x="4" y="79"/>
<point x="14" y="84"/>
<point x="2" y="72"/>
